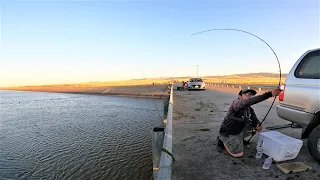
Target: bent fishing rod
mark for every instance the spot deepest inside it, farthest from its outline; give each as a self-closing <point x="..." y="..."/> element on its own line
<point x="239" y="30"/>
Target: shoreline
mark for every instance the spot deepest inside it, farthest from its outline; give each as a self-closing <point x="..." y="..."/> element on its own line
<point x="134" y="91"/>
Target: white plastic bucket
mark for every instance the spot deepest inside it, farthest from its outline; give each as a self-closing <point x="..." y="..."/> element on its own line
<point x="279" y="146"/>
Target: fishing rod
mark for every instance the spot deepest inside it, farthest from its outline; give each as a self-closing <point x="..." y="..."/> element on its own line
<point x="239" y="30"/>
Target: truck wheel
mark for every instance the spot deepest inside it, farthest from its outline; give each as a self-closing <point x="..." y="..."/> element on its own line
<point x="314" y="143"/>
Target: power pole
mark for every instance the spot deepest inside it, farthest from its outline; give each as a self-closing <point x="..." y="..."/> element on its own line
<point x="197" y="70"/>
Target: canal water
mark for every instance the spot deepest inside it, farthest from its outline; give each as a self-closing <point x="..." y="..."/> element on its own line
<point x="72" y="136"/>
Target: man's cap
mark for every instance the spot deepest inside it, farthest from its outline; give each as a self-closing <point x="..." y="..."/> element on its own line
<point x="253" y="92"/>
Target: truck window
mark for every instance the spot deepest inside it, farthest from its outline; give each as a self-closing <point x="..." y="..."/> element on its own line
<point x="309" y="67"/>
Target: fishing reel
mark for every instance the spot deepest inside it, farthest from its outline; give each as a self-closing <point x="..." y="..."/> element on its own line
<point x="246" y="119"/>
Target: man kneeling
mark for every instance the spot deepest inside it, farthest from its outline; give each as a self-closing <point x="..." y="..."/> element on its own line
<point x="240" y="120"/>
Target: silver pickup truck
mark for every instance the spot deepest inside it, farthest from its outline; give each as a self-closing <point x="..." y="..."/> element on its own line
<point x="300" y="99"/>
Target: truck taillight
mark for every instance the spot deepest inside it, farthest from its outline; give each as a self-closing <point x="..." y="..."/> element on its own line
<point x="281" y="95"/>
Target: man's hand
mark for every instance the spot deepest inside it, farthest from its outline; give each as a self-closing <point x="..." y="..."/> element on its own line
<point x="258" y="128"/>
<point x="276" y="92"/>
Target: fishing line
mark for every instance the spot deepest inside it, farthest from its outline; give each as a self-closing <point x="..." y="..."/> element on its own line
<point x="152" y="98"/>
<point x="239" y="30"/>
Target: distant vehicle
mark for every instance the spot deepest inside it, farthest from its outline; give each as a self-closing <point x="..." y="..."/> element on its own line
<point x="300" y="99"/>
<point x="196" y="84"/>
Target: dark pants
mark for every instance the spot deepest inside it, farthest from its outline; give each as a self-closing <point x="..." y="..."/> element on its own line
<point x="235" y="142"/>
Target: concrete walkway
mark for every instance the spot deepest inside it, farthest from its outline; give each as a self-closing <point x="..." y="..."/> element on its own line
<point x="196" y="122"/>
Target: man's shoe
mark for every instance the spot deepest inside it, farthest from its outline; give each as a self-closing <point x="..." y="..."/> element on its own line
<point x="220" y="143"/>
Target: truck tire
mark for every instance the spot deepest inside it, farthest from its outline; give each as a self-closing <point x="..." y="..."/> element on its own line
<point x="314" y="143"/>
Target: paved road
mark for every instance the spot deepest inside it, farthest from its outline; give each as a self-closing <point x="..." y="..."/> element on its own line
<point x="195" y="150"/>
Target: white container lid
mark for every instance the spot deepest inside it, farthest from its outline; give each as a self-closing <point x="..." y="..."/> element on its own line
<point x="280" y="138"/>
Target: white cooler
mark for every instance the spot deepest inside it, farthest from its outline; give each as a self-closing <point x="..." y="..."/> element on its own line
<point x="279" y="146"/>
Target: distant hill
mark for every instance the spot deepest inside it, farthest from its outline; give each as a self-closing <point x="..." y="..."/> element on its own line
<point x="250" y="78"/>
<point x="252" y="75"/>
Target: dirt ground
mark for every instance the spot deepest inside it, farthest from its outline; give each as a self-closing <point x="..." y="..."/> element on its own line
<point x="196" y="121"/>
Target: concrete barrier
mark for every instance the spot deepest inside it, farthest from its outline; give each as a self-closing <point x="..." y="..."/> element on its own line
<point x="157" y="143"/>
<point x="164" y="170"/>
<point x="258" y="87"/>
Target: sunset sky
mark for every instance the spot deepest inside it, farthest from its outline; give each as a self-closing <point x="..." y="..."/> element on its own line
<point x="66" y="41"/>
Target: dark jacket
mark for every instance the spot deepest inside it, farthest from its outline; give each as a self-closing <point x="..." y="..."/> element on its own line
<point x="241" y="113"/>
